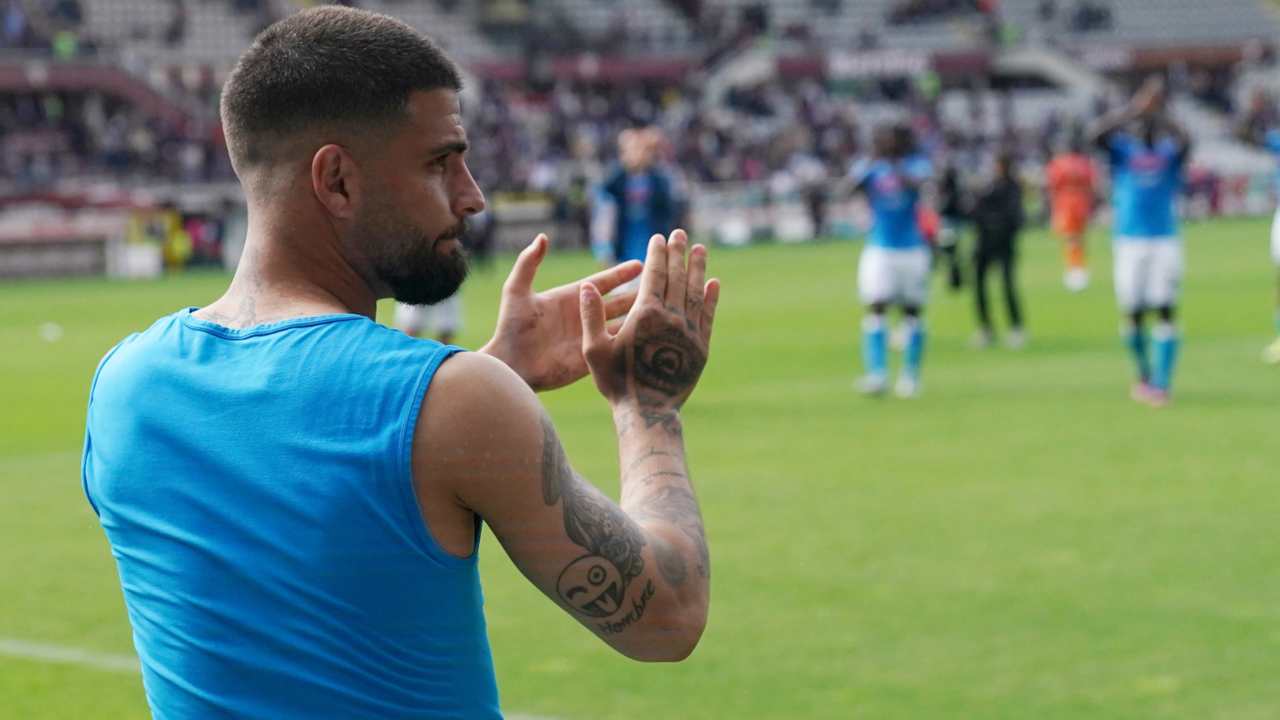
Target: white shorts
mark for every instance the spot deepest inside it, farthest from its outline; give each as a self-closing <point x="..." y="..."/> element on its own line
<point x="441" y="318"/>
<point x="1148" y="272"/>
<point x="893" y="276"/>
<point x="1275" y="238"/>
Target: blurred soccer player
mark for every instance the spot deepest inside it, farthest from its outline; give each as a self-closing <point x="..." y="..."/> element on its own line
<point x="998" y="218"/>
<point x="1272" y="352"/>
<point x="1259" y="130"/>
<point x="1146" y="174"/>
<point x="443" y="319"/>
<point x="295" y="494"/>
<point x="1072" y="184"/>
<point x="894" y="267"/>
<point x="641" y="192"/>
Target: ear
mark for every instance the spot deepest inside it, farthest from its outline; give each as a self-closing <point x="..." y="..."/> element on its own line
<point x="335" y="180"/>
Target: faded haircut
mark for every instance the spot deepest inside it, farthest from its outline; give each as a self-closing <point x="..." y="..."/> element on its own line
<point x="327" y="67"/>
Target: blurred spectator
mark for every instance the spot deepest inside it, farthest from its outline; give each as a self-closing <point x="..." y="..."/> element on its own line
<point x="1091" y="16"/>
<point x="57" y="135"/>
<point x="916" y="11"/>
<point x="642" y="191"/>
<point x="14" y="31"/>
<point x="176" y="32"/>
<point x="1047" y="13"/>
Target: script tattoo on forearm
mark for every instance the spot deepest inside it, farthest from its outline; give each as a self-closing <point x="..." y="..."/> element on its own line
<point x="678" y="506"/>
<point x="596" y="583"/>
<point x="667" y="362"/>
<point x="650" y="454"/>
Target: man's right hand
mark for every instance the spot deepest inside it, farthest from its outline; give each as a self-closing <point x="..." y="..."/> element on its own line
<point x="655" y="359"/>
<point x="1150" y="97"/>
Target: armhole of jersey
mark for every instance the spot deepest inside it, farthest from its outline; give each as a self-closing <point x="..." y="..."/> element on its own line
<point x="1117" y="149"/>
<point x="88" y="440"/>
<point x="408" y="496"/>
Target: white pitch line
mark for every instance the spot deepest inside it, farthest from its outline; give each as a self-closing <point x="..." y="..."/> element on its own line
<point x="45" y="652"/>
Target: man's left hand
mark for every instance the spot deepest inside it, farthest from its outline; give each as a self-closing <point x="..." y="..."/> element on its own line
<point x="539" y="335"/>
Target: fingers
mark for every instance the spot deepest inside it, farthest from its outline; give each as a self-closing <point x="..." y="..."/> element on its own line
<point x="606" y="280"/>
<point x="521" y="278"/>
<point x="619" y="305"/>
<point x="653" y="281"/>
<point x="712" y="295"/>
<point x="595" y="338"/>
<point x="695" y="294"/>
<point x="676" y="272"/>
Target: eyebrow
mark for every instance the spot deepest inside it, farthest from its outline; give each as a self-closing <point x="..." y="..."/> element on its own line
<point x="457" y="146"/>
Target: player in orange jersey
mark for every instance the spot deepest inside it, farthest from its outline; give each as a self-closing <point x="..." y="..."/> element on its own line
<point x="1072" y="181"/>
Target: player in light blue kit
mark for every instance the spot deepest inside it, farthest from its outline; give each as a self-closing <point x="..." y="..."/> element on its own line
<point x="1146" y="176"/>
<point x="894" y="267"/>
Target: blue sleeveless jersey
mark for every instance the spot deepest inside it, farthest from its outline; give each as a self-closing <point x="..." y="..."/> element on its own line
<point x="1145" y="185"/>
<point x="1272" y="141"/>
<point x="255" y="486"/>
<point x="892" y="190"/>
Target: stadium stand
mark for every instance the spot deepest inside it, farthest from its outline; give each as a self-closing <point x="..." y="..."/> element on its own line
<point x="637" y="25"/>
<point x="752" y="95"/>
<point x="1138" y="23"/>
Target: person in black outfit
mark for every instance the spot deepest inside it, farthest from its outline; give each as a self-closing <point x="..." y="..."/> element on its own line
<point x="998" y="218"/>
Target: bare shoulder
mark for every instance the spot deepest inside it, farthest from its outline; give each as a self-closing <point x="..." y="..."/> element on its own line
<point x="479" y="380"/>
<point x="477" y="418"/>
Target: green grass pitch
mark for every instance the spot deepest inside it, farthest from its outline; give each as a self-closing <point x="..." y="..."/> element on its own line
<point x="1020" y="542"/>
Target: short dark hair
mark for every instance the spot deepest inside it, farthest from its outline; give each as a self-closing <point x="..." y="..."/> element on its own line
<point x="329" y="65"/>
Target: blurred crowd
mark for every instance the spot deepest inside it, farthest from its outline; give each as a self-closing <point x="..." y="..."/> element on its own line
<point x="84" y="135"/>
<point x="61" y="28"/>
<point x="558" y="141"/>
<point x="535" y="143"/>
<point x="556" y="138"/>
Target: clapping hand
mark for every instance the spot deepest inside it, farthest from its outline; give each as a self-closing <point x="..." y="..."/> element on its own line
<point x="539" y="335"/>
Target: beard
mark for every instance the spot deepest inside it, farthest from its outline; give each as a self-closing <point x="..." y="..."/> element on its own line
<point x="417" y="268"/>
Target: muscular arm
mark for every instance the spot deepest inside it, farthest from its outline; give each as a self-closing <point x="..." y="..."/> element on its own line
<point x="635" y="573"/>
<point x="1148" y="98"/>
<point x="628" y="573"/>
<point x="1107" y="125"/>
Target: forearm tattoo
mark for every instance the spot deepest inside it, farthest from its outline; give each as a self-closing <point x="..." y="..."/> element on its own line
<point x="596" y="583"/>
<point x="678" y="506"/>
<point x="668" y="419"/>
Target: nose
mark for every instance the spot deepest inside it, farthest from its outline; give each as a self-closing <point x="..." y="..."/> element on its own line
<point x="468" y="199"/>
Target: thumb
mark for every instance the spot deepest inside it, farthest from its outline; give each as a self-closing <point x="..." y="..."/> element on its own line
<point x="520" y="280"/>
<point x="594" y="336"/>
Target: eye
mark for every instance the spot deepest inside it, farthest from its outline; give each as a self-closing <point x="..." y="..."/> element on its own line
<point x="439" y="163"/>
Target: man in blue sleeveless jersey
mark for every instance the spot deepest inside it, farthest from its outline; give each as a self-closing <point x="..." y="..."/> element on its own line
<point x="641" y="191"/>
<point x="294" y="494"/>
<point x="1146" y="176"/>
<point x="894" y="266"/>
